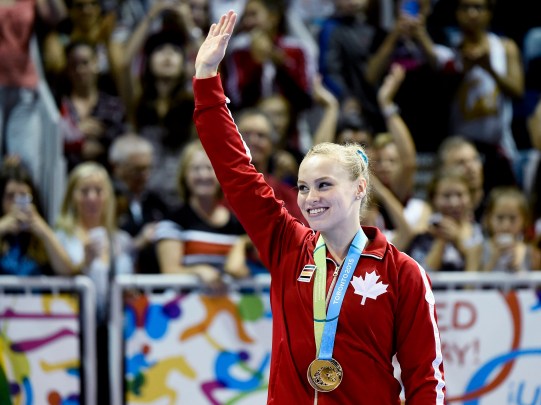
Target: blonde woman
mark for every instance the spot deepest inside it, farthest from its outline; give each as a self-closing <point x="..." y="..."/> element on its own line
<point x="199" y="236"/>
<point x="86" y="228"/>
<point x="97" y="248"/>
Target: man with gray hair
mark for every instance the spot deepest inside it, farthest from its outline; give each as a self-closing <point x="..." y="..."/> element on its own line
<point x="138" y="208"/>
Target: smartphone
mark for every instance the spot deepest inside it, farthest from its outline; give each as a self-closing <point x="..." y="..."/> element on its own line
<point x="435" y="219"/>
<point x="505" y="239"/>
<point x="410" y="7"/>
<point x="23" y="200"/>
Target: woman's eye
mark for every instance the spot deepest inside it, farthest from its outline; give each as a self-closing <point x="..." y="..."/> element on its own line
<point x="324" y="185"/>
<point x="302" y="189"/>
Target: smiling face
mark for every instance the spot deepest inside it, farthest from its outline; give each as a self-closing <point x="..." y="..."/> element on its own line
<point x="256" y="131"/>
<point x="200" y="177"/>
<point x="327" y="195"/>
<point x="90" y="197"/>
<point x="452" y="198"/>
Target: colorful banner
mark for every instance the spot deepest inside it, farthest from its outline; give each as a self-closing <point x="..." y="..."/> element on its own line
<point x="188" y="348"/>
<point x="39" y="349"/>
<point x="491" y="342"/>
<point x="193" y="349"/>
<point x="197" y="349"/>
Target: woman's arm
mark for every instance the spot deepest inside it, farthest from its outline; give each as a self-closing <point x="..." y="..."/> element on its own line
<point x="57" y="255"/>
<point x="534" y="126"/>
<point x="170" y="252"/>
<point x="403" y="185"/>
<point x="326" y="129"/>
<point x="264" y="218"/>
<point x="512" y="82"/>
<point x="417" y="338"/>
<point x="130" y="86"/>
<point x="434" y="258"/>
<point x="235" y="263"/>
<point x="403" y="233"/>
<point x="379" y="62"/>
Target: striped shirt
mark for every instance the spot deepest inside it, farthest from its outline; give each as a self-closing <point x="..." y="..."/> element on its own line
<point x="203" y="243"/>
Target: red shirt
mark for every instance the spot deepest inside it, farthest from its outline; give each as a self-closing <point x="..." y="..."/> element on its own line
<point x="16" y="28"/>
<point x="401" y="320"/>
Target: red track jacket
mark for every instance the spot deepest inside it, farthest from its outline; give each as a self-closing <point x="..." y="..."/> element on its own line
<point x="400" y="320"/>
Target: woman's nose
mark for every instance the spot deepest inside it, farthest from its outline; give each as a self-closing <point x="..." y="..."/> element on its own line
<point x="313" y="195"/>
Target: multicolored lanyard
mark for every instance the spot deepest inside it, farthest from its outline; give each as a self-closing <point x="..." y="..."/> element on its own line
<point x="326" y="320"/>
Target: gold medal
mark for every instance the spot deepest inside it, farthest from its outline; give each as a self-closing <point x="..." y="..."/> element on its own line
<point x="324" y="375"/>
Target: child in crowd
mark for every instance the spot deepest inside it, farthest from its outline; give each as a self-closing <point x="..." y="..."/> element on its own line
<point x="506" y="221"/>
<point x="453" y="239"/>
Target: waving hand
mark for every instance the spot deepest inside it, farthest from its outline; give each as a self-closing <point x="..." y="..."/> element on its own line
<point x="212" y="50"/>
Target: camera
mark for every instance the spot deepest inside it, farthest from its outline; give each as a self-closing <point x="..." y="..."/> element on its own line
<point x="23" y="200"/>
<point x="435" y="219"/>
<point x="410" y="7"/>
<point x="505" y="239"/>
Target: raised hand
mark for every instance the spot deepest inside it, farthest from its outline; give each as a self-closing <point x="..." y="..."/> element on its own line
<point x="391" y="84"/>
<point x="212" y="50"/>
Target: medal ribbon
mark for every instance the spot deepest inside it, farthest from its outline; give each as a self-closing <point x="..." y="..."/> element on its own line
<point x="326" y="320"/>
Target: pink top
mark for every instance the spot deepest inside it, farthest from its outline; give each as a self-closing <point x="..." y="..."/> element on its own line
<point x="17" y="68"/>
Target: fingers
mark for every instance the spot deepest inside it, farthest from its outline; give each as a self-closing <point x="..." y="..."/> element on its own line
<point x="231" y="20"/>
<point x="221" y="24"/>
<point x="225" y="25"/>
<point x="211" y="30"/>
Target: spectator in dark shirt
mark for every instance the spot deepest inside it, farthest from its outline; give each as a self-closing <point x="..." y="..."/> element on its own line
<point x="138" y="208"/>
<point x="91" y="118"/>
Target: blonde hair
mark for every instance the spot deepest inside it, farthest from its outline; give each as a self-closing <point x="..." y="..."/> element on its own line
<point x="68" y="217"/>
<point x="381" y="140"/>
<point x="185" y="160"/>
<point x="351" y="156"/>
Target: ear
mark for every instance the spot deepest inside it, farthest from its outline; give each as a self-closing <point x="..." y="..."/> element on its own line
<point x="361" y="188"/>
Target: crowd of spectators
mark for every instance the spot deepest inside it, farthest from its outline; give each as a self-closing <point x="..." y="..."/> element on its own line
<point x="456" y="81"/>
<point x="400" y="77"/>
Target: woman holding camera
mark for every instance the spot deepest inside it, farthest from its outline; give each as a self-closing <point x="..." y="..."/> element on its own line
<point x="28" y="246"/>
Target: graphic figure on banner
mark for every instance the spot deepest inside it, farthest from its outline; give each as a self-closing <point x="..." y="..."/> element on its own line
<point x="19" y="381"/>
<point x="229" y="364"/>
<point x="153" y="323"/>
<point x="226" y="369"/>
<point x="215" y="305"/>
<point x="153" y="318"/>
<point x="150" y="384"/>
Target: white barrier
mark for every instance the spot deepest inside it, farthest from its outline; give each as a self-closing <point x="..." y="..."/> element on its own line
<point x="178" y="346"/>
<point x="47" y="341"/>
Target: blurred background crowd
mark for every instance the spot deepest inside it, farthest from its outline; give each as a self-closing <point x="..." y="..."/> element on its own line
<point x="445" y="95"/>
